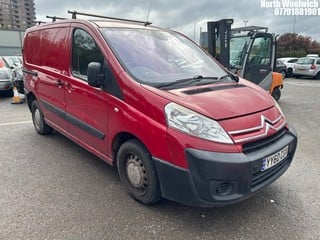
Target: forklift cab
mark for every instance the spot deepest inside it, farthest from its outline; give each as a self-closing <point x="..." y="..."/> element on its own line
<point x="249" y="52"/>
<point x="253" y="55"/>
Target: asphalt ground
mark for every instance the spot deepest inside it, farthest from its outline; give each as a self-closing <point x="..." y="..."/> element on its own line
<point x="50" y="188"/>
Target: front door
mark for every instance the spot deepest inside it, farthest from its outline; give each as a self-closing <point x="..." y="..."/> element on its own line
<point x="86" y="106"/>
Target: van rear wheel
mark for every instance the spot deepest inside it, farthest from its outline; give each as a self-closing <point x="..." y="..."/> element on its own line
<point x="137" y="172"/>
<point x="38" y="119"/>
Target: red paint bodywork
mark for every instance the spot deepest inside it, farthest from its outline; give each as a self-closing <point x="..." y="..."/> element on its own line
<point x="141" y="111"/>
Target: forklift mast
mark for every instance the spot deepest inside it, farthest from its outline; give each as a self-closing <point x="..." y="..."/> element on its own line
<point x="249" y="52"/>
<point x="219" y="40"/>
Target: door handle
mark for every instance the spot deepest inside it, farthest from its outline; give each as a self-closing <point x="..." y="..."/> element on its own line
<point x="69" y="88"/>
<point x="59" y="83"/>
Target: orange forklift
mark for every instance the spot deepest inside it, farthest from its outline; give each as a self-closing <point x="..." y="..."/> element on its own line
<point x="250" y="52"/>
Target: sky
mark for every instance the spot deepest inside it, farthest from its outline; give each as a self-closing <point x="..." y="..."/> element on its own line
<point x="190" y="16"/>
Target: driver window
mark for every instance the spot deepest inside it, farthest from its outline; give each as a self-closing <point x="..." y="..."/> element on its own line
<point x="84" y="51"/>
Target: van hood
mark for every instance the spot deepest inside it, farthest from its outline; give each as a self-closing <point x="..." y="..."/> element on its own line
<point x="220" y="101"/>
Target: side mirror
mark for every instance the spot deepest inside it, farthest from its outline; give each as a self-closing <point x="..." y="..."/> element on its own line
<point x="95" y="77"/>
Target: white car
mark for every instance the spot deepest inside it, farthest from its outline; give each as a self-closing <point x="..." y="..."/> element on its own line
<point x="289" y="62"/>
<point x="307" y="67"/>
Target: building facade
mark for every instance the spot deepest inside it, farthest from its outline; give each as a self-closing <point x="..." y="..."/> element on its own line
<point x="16" y="14"/>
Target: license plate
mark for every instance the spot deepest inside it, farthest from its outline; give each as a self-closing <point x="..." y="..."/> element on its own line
<point x="274" y="159"/>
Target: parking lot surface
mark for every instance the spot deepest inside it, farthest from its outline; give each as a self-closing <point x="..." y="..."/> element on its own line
<point x="50" y="188"/>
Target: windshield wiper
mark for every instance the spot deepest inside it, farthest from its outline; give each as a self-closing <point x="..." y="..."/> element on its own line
<point x="188" y="81"/>
<point x="223" y="77"/>
<point x="233" y="77"/>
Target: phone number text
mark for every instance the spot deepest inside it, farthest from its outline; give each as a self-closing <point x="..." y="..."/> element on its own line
<point x="297" y="11"/>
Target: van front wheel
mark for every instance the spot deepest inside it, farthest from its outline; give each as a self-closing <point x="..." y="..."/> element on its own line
<point x="137" y="172"/>
<point x="38" y="120"/>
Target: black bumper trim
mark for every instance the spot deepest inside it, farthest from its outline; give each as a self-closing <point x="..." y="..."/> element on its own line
<point x="197" y="186"/>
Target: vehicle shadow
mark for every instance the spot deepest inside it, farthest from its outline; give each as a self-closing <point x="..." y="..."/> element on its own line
<point x="72" y="181"/>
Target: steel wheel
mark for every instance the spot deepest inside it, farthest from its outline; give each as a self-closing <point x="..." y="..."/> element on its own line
<point x="38" y="120"/>
<point x="137" y="172"/>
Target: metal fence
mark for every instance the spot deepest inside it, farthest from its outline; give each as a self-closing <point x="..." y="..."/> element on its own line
<point x="11" y="43"/>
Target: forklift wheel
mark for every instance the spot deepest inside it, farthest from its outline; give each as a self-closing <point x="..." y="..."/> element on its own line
<point x="276" y="94"/>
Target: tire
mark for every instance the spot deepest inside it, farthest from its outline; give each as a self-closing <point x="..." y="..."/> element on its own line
<point x="317" y="77"/>
<point x="289" y="73"/>
<point x="276" y="94"/>
<point x="38" y="120"/>
<point x="137" y="172"/>
<point x="9" y="93"/>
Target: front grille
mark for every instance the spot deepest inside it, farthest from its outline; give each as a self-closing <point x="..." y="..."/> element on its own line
<point x="260" y="178"/>
<point x="254" y="146"/>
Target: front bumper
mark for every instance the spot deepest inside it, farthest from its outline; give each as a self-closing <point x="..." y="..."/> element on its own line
<point x="216" y="179"/>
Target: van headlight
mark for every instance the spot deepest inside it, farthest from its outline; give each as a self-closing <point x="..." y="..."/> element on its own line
<point x="276" y="104"/>
<point x="195" y="124"/>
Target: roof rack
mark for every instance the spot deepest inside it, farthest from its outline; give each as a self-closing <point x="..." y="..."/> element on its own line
<point x="54" y="18"/>
<point x="75" y="13"/>
<point x="38" y="22"/>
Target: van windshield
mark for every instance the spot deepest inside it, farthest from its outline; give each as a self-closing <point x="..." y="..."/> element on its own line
<point x="156" y="57"/>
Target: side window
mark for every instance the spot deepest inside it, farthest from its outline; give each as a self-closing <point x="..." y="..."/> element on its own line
<point x="260" y="51"/>
<point x="292" y="60"/>
<point x="84" y="51"/>
<point x="318" y="62"/>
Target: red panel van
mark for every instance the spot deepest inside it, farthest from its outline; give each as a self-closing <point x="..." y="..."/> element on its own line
<point x="151" y="102"/>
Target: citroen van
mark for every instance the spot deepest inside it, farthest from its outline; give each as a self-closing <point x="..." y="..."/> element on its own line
<point x="151" y="102"/>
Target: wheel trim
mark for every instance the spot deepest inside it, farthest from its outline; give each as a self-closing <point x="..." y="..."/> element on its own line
<point x="136" y="173"/>
<point x="37" y="118"/>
